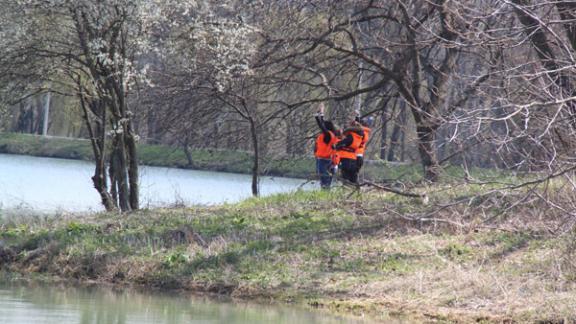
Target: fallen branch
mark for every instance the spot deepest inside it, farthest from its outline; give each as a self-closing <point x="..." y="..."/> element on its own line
<point x="430" y="219"/>
<point x="392" y="190"/>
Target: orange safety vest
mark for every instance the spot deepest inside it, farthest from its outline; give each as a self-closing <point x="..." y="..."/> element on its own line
<point x="323" y="150"/>
<point x="349" y="152"/>
<point x="365" y="140"/>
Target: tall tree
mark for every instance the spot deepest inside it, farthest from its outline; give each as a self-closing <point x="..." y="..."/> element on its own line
<point x="412" y="46"/>
<point x="90" y="48"/>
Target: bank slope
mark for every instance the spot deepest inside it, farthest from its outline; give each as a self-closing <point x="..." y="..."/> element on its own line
<point x="370" y="253"/>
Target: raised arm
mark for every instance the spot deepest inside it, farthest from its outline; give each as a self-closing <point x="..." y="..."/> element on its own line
<point x="320" y="121"/>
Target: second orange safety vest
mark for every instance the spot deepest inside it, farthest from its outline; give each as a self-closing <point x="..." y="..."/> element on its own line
<point x="349" y="152"/>
<point x="365" y="140"/>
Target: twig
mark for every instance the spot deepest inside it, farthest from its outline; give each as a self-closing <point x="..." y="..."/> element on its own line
<point x="398" y="192"/>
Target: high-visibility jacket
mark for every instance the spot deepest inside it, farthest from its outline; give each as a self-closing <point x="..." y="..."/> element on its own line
<point x="365" y="139"/>
<point x="349" y="152"/>
<point x="323" y="150"/>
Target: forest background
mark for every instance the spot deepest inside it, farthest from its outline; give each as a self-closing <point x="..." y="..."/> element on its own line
<point x="485" y="86"/>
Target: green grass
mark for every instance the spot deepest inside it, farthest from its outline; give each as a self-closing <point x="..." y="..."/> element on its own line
<point x="14" y="143"/>
<point x="320" y="248"/>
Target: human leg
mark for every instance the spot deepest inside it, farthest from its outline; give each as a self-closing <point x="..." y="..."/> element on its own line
<point x="323" y="169"/>
<point x="348" y="167"/>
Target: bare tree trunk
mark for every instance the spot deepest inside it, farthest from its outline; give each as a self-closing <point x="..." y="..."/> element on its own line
<point x="46" y="117"/>
<point x="397" y="131"/>
<point x="34" y="122"/>
<point x="119" y="163"/>
<point x="133" y="168"/>
<point x="427" y="149"/>
<point x="97" y="139"/>
<point x="113" y="182"/>
<point x="188" y="153"/>
<point x="215" y="143"/>
<point x="23" y="125"/>
<point x="256" y="164"/>
<point x="384" y="135"/>
<point x="124" y="147"/>
<point x="152" y="125"/>
<point x="290" y="136"/>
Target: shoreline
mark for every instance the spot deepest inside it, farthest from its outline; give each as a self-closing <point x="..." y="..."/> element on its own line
<point x="204" y="159"/>
<point x="150" y="155"/>
<point x="9" y="279"/>
<point x="316" y="249"/>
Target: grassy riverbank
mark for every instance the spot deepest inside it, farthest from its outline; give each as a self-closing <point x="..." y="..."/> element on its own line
<point x="203" y="159"/>
<point x="375" y="253"/>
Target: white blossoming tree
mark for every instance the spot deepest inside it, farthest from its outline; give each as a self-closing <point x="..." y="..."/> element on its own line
<point x="90" y="49"/>
<point x="210" y="50"/>
<point x="96" y="51"/>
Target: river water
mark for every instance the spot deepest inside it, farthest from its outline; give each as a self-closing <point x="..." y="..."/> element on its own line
<point x="49" y="185"/>
<point x="52" y="185"/>
<point x="41" y="304"/>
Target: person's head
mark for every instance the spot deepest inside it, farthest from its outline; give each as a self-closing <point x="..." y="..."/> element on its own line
<point x="330" y="126"/>
<point x="367" y="121"/>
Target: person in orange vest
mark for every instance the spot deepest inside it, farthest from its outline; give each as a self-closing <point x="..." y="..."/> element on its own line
<point x="323" y="149"/>
<point x="347" y="149"/>
<point x="365" y="123"/>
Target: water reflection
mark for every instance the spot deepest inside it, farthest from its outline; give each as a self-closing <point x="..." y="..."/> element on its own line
<point x="52" y="304"/>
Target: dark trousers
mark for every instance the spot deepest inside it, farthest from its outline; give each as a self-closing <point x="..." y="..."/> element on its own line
<point x="349" y="170"/>
<point x="324" y="170"/>
<point x="359" y="162"/>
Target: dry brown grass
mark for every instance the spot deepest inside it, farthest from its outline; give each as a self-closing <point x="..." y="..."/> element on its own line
<point x="456" y="259"/>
